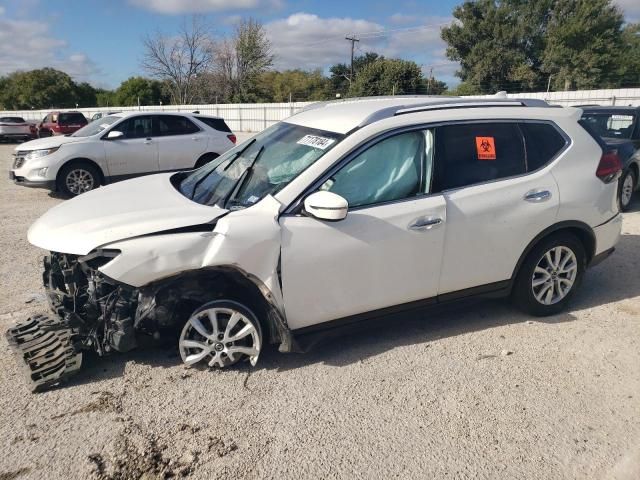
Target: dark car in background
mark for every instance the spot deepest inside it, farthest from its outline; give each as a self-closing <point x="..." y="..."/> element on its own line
<point x="61" y="123"/>
<point x="619" y="127"/>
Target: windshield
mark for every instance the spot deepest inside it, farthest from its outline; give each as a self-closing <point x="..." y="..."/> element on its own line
<point x="611" y="125"/>
<point x="254" y="169"/>
<point x="96" y="127"/>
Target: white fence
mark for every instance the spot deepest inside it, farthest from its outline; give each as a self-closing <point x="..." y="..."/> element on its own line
<point x="241" y="117"/>
<point x="254" y="117"/>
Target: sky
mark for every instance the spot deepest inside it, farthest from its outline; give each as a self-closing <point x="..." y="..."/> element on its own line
<point x="101" y="41"/>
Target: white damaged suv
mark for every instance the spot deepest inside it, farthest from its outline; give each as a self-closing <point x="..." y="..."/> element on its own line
<point x="346" y="211"/>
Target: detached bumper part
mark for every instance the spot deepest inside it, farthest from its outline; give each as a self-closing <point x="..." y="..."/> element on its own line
<point x="46" y="350"/>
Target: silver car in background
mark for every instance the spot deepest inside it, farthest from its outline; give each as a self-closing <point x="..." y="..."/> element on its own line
<point x="15" y="128"/>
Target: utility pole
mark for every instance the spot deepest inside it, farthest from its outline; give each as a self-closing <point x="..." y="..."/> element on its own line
<point x="429" y="82"/>
<point x="353" y="41"/>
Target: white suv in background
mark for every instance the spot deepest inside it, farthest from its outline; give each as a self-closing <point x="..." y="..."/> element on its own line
<point x="120" y="146"/>
<point x="344" y="212"/>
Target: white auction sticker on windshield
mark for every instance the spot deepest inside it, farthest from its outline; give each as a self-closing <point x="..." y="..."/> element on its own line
<point x="316" y="142"/>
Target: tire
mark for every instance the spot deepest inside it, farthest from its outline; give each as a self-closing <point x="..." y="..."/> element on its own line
<point x="226" y="343"/>
<point x="77" y="178"/>
<point x="206" y="158"/>
<point x="626" y="188"/>
<point x="531" y="290"/>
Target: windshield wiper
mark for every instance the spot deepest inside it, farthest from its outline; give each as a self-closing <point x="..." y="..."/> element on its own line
<point x="237" y="155"/>
<point x="243" y="179"/>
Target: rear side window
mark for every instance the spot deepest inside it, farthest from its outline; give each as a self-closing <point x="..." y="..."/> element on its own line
<point x="174" y="125"/>
<point x="11" y="120"/>
<point x="72" y="119"/>
<point x="215" y="123"/>
<point x="467" y="154"/>
<point x="543" y="142"/>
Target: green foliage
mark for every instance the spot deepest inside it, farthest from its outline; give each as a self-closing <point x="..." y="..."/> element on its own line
<point x="387" y="77"/>
<point x="341" y="72"/>
<point x="299" y="85"/>
<point x="629" y="70"/>
<point x="517" y="45"/>
<point x="44" y="88"/>
<point x="583" y="43"/>
<point x="139" y="89"/>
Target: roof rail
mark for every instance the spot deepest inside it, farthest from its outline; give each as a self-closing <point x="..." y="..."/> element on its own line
<point x="452" y="103"/>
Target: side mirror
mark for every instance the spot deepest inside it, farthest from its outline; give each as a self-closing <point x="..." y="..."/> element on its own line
<point x="326" y="206"/>
<point x="114" y="134"/>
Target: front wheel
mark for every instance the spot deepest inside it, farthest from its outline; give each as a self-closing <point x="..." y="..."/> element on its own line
<point x="219" y="334"/>
<point x="78" y="178"/>
<point x="550" y="275"/>
<point x="627" y="186"/>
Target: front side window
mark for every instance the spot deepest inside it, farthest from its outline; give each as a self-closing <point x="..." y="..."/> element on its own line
<point x="136" y="127"/>
<point x="174" y="125"/>
<point x="262" y="166"/>
<point x="468" y="154"/>
<point x="395" y="168"/>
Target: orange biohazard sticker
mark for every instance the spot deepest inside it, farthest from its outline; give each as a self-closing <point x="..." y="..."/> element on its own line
<point x="486" y="148"/>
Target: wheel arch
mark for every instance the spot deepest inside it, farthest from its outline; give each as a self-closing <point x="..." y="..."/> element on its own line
<point x="172" y="298"/>
<point x="79" y="161"/>
<point x="208" y="156"/>
<point x="581" y="230"/>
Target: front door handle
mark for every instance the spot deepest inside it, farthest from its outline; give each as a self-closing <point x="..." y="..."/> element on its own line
<point x="147" y="141"/>
<point x="425" y="223"/>
<point x="536" y="196"/>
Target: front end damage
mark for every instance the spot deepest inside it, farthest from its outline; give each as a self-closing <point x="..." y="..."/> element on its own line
<point x="92" y="312"/>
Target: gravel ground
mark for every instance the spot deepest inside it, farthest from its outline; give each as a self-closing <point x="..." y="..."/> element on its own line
<point x="479" y="391"/>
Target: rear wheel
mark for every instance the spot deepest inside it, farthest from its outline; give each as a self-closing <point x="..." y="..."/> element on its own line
<point x="206" y="158"/>
<point x="550" y="275"/>
<point x="78" y="178"/>
<point x="219" y="334"/>
<point x="627" y="186"/>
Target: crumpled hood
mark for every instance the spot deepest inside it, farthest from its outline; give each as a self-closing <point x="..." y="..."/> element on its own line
<point x="48" y="142"/>
<point x="116" y="212"/>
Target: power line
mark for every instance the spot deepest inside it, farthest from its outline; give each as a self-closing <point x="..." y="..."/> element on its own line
<point x="353" y="39"/>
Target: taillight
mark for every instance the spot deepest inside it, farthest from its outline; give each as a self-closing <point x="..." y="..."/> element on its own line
<point x="232" y="137"/>
<point x="610" y="167"/>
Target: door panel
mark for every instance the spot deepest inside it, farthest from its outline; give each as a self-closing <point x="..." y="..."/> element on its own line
<point x="372" y="259"/>
<point x="136" y="152"/>
<point x="180" y="142"/>
<point x="494" y="207"/>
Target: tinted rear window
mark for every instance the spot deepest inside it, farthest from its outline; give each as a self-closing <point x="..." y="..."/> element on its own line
<point x="12" y="120"/>
<point x="215" y="123"/>
<point x="543" y="142"/>
<point x="71" y="118"/>
<point x="467" y="154"/>
<point x="612" y="125"/>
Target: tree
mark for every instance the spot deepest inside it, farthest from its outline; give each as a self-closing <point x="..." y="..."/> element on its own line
<point x="387" y="77"/>
<point x="629" y="70"/>
<point x="241" y="59"/>
<point x="298" y="85"/>
<point x="498" y="43"/>
<point x="44" y="88"/>
<point x="341" y="72"/>
<point x="179" y="60"/>
<point x="139" y="91"/>
<point x="583" y="43"/>
<point x="519" y="45"/>
<point x="105" y="98"/>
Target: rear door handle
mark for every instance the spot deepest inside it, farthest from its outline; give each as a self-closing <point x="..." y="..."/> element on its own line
<point x="537" y="196"/>
<point x="147" y="141"/>
<point x="425" y="223"/>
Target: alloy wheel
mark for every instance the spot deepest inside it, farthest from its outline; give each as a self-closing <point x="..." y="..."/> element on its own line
<point x="627" y="190"/>
<point x="79" y="181"/>
<point x="218" y="337"/>
<point x="554" y="275"/>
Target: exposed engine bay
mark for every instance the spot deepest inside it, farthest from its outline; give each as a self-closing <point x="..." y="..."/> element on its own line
<point x="92" y="312"/>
